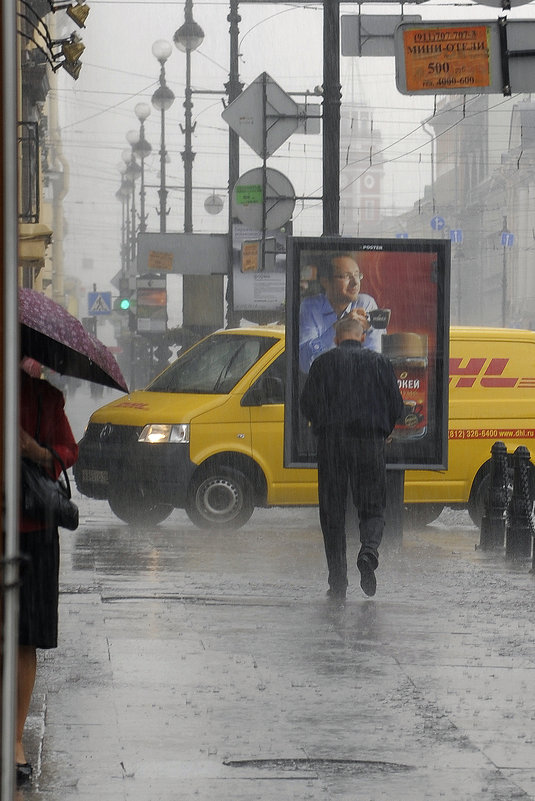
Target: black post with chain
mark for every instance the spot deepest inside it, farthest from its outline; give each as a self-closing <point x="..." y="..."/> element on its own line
<point x="493" y="521"/>
<point x="520" y="526"/>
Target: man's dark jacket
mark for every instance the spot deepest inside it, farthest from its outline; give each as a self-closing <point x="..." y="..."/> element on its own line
<point x="352" y="388"/>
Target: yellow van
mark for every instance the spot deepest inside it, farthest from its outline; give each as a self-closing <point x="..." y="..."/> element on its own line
<point x="207" y="434"/>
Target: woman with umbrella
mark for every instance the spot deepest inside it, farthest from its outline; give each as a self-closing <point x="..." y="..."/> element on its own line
<point x="43" y="427"/>
<point x="51" y="337"/>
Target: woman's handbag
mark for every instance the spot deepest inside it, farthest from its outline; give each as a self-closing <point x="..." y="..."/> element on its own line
<point x="44" y="498"/>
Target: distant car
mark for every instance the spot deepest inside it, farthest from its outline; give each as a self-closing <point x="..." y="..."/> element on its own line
<point x="207" y="434"/>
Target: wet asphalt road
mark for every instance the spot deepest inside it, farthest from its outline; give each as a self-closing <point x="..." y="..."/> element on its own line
<point x="197" y="665"/>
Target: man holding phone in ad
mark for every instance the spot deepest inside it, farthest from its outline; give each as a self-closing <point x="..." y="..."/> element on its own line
<point x="340" y="278"/>
<point x="352" y="399"/>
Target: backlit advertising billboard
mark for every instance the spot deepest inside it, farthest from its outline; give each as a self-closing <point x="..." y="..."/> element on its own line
<point x="402" y="286"/>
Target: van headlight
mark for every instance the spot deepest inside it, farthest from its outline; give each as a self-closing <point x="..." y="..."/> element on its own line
<point x="155" y="433"/>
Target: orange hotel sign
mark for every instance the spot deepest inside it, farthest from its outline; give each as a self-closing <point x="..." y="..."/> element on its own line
<point x="447" y="57"/>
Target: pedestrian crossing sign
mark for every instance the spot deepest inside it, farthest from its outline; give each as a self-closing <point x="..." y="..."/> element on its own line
<point x="99" y="302"/>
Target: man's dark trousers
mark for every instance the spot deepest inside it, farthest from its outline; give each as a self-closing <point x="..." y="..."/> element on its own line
<point x="344" y="458"/>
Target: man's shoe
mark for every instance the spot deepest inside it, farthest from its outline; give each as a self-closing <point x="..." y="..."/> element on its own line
<point x="336" y="594"/>
<point x="366" y="565"/>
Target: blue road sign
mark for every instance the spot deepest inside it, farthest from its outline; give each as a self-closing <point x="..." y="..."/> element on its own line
<point x="99" y="302"/>
<point x="507" y="239"/>
<point x="437" y="223"/>
<point x="456" y="235"/>
<point x="404" y="235"/>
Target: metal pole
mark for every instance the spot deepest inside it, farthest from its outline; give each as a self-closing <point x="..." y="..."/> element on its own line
<point x="234" y="89"/>
<point x="331" y="117"/>
<point x="10" y="397"/>
<point x="504" y="287"/>
<point x="133" y="223"/>
<point x="504" y="273"/>
<point x="142" y="218"/>
<point x="188" y="155"/>
<point x="162" y="193"/>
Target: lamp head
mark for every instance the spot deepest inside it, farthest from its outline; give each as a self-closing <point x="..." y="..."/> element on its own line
<point x="133" y="170"/>
<point x="189" y="36"/>
<point x="132" y="137"/>
<point x="142" y="111"/>
<point x="161" y="50"/>
<point x="72" y="51"/>
<point x="163" y="98"/>
<point x="142" y="148"/>
<point x="72" y="69"/>
<point x="78" y="14"/>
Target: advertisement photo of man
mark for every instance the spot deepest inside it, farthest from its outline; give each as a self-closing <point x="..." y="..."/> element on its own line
<point x="340" y="278"/>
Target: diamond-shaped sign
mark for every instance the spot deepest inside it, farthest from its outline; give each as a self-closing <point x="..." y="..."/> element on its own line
<point x="263" y="115"/>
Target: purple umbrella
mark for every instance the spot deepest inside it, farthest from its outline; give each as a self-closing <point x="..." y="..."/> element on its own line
<point x="52" y="336"/>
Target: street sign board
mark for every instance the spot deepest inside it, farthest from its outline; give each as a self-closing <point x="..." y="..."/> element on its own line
<point x="508" y="239"/>
<point x="309" y="118"/>
<point x="99" y="303"/>
<point x="264" y="115"/>
<point x="151" y="305"/>
<point x="437" y="222"/>
<point x="480" y="56"/>
<point x="445" y="57"/>
<point x="370" y="34"/>
<point x="279" y="203"/>
<point x="248" y="193"/>
<point x="456" y="235"/>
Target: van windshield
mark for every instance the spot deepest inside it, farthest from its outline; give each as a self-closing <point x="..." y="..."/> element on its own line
<point x="214" y="366"/>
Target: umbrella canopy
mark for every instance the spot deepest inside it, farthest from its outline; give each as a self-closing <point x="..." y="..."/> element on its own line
<point x="52" y="336"/>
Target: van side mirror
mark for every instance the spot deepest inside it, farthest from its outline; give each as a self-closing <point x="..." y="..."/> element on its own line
<point x="268" y="390"/>
<point x="253" y="397"/>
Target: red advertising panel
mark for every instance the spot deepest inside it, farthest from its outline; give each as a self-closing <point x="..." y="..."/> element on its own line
<point x="402" y="285"/>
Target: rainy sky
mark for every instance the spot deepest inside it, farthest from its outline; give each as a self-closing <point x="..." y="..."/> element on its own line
<point x="284" y="40"/>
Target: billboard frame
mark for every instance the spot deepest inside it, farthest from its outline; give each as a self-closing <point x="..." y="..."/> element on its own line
<point x="412" y="278"/>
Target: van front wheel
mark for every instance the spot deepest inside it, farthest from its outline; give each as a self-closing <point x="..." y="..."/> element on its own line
<point x="137" y="510"/>
<point x="220" y="498"/>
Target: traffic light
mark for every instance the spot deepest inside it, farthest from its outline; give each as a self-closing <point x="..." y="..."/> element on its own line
<point x="126" y="299"/>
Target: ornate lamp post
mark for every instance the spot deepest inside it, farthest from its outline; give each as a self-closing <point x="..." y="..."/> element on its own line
<point x="141" y="148"/>
<point x="132" y="173"/>
<point x="123" y="194"/>
<point x="188" y="38"/>
<point x="162" y="100"/>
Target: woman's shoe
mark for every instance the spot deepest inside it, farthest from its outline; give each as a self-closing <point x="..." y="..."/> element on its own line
<point x="24" y="773"/>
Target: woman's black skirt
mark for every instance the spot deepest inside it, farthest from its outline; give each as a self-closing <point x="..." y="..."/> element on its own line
<point x="39" y="592"/>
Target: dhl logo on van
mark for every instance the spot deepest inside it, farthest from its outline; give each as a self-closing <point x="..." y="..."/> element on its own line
<point x="492" y="376"/>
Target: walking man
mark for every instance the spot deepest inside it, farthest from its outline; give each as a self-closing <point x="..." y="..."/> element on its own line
<point x="351" y="398"/>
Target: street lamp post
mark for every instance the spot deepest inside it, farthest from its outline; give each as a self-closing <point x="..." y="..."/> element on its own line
<point x="132" y="172"/>
<point x="123" y="194"/>
<point x="505" y="232"/>
<point x="162" y="100"/>
<point x="142" y="149"/>
<point x="188" y="38"/>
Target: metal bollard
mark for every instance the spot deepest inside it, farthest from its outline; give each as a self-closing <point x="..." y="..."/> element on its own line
<point x="519" y="526"/>
<point x="493" y="521"/>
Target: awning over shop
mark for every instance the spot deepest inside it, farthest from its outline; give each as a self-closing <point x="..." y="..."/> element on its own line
<point x="33" y="241"/>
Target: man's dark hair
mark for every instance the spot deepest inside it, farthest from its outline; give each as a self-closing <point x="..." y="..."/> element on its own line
<point x="325" y="262"/>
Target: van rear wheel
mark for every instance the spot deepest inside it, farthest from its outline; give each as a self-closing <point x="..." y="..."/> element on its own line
<point x="420" y="514"/>
<point x="220" y="497"/>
